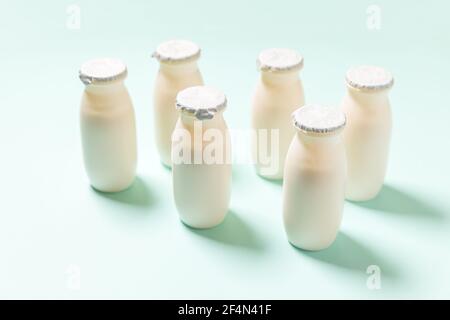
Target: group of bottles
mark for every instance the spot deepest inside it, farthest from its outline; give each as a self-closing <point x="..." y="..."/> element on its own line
<point x="324" y="154"/>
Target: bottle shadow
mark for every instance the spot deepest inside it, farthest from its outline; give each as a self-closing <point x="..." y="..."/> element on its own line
<point x="278" y="182"/>
<point x="138" y="194"/>
<point x="396" y="201"/>
<point x="233" y="231"/>
<point x="166" y="167"/>
<point x="347" y="253"/>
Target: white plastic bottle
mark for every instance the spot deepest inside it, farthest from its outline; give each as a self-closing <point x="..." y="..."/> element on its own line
<point x="278" y="93"/>
<point x="368" y="132"/>
<point x="108" y="130"/>
<point x="178" y="70"/>
<point x="314" y="178"/>
<point x="201" y="158"/>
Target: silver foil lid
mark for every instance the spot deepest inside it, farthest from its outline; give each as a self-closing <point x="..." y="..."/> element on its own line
<point x="201" y="102"/>
<point x="102" y="71"/>
<point x="369" y="78"/>
<point x="177" y="51"/>
<point x="279" y="60"/>
<point x="319" y="120"/>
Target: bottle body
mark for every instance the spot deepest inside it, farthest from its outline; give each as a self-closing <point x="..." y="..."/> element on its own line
<point x="202" y="188"/>
<point x="108" y="134"/>
<point x="276" y="97"/>
<point x="314" y="190"/>
<point x="169" y="81"/>
<point x="367" y="138"/>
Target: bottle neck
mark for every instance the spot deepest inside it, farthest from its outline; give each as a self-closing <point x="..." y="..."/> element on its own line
<point x="318" y="140"/>
<point x="104" y="89"/>
<point x="177" y="69"/>
<point x="190" y="121"/>
<point x="279" y="78"/>
<point x="369" y="98"/>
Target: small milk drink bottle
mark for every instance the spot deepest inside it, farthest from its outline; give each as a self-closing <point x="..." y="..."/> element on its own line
<point x="368" y="131"/>
<point x="177" y="71"/>
<point x="201" y="157"/>
<point x="108" y="130"/>
<point x="314" y="178"/>
<point x="278" y="93"/>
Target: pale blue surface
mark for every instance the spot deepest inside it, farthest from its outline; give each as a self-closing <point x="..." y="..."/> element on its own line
<point x="132" y="245"/>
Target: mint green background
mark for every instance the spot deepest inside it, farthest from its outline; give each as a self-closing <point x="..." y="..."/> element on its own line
<point x="132" y="245"/>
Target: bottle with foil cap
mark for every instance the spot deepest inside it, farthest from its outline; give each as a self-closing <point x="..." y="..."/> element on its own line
<point x="108" y="130"/>
<point x="314" y="178"/>
<point x="278" y="93"/>
<point x="201" y="157"/>
<point x="367" y="135"/>
<point x="178" y="70"/>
